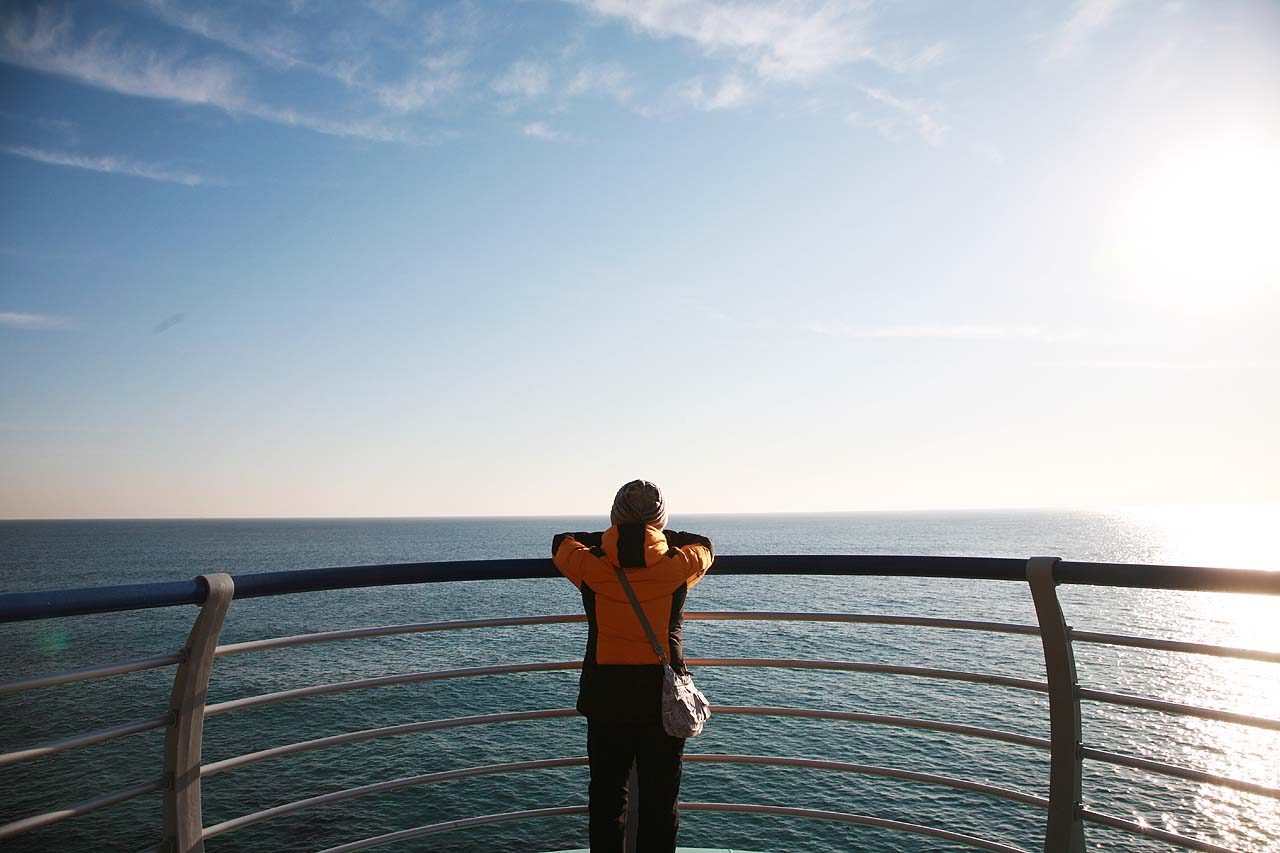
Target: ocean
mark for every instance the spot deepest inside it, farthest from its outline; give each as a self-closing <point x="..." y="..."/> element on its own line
<point x="58" y="554"/>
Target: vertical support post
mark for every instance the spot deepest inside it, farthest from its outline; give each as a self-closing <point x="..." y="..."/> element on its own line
<point x="631" y="831"/>
<point x="1064" y="829"/>
<point x="183" y="822"/>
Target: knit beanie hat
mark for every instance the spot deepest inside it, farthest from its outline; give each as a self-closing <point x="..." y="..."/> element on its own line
<point x="639" y="502"/>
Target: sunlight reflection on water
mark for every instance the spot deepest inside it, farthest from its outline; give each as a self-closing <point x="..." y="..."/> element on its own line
<point x="1234" y="536"/>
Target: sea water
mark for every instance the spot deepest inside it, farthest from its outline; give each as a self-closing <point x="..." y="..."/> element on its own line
<point x="51" y="555"/>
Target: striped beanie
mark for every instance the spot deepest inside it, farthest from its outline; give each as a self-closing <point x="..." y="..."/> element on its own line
<point x="639" y="502"/>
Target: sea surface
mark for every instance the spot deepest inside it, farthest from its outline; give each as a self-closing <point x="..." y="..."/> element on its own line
<point x="61" y="554"/>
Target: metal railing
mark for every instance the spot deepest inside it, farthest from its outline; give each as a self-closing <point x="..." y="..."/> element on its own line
<point x="1065" y="813"/>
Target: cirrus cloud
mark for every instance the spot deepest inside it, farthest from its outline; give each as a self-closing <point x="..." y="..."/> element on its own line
<point x="34" y="322"/>
<point x="525" y="78"/>
<point x="780" y="39"/>
<point x="111" y="165"/>
<point x="46" y="41"/>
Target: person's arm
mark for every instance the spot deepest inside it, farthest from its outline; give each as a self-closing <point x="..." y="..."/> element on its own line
<point x="591" y="540"/>
<point x="571" y="551"/>
<point x="696" y="553"/>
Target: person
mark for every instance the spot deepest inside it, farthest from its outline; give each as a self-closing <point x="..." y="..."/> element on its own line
<point x="620" y="690"/>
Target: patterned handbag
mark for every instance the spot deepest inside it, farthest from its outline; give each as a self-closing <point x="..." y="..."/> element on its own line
<point x="684" y="708"/>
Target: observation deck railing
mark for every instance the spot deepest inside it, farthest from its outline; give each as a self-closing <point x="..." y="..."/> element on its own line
<point x="1066" y="814"/>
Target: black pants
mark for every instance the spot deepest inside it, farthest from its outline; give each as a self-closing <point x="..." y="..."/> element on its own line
<point x="611" y="748"/>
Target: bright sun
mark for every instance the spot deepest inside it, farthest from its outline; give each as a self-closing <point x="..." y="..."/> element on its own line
<point x="1203" y="225"/>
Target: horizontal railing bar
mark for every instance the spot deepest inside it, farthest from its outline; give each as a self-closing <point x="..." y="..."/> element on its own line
<point x="448" y="826"/>
<point x="86" y="673"/>
<point x="780" y="811"/>
<point x="50" y="603"/>
<point x="227" y="707"/>
<point x="310" y="580"/>
<point x="520" y="716"/>
<point x="520" y="621"/>
<point x="376" y="734"/>
<point x="1151" y="832"/>
<point x="862" y="820"/>
<point x="543" y="764"/>
<point x="878" y="668"/>
<point x="863" y="619"/>
<point x="88" y="739"/>
<point x="901" y="722"/>
<point x="391" y="630"/>
<point x="1178" y="708"/>
<point x="1178" y="771"/>
<point x="1188" y="578"/>
<point x="18" y="827"/>
<point x="1175" y="646"/>
<point x="45" y="604"/>
<point x="390" y="785"/>
<point x="875" y="770"/>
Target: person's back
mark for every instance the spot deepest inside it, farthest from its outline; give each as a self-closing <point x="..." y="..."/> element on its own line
<point x="620" y="691"/>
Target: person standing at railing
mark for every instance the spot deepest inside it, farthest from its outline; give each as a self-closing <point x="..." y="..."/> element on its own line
<point x="620" y="692"/>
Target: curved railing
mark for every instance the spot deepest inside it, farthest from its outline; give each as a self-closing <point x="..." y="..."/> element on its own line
<point x="1065" y="813"/>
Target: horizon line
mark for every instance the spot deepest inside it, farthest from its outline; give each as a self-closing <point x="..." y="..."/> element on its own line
<point x="480" y="516"/>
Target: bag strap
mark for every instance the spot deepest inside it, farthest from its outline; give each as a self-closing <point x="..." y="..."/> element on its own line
<point x="644" y="620"/>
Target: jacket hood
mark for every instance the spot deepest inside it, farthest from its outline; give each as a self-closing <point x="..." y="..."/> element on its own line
<point x="634" y="546"/>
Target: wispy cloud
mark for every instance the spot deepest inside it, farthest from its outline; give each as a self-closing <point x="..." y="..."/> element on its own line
<point x="1087" y="18"/>
<point x="607" y="79"/>
<point x="729" y="92"/>
<point x="540" y="130"/>
<point x="277" y="47"/>
<point x="780" y="39"/>
<point x="905" y="61"/>
<point x="374" y="130"/>
<point x="46" y="42"/>
<point x="34" y="322"/>
<point x="917" y="114"/>
<point x="111" y="165"/>
<point x="525" y="79"/>
<point x="43" y="42"/>
<point x="434" y="78"/>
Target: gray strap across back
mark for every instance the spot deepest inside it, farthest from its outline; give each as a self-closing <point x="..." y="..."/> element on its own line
<point x="644" y="620"/>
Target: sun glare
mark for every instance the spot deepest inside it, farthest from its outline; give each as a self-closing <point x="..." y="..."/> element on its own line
<point x="1237" y="536"/>
<point x="1200" y="228"/>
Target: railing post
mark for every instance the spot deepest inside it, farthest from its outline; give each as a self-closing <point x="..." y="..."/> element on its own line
<point x="183" y="823"/>
<point x="1064" y="829"/>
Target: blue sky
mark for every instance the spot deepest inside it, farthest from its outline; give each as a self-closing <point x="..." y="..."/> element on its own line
<point x="397" y="258"/>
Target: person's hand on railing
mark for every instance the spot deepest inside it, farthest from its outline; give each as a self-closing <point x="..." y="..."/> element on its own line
<point x="591" y="540"/>
<point x="679" y="539"/>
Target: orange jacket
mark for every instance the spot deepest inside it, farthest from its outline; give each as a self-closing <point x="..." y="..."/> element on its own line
<point x="620" y="670"/>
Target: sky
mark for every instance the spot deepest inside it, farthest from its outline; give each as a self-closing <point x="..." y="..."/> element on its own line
<point x="321" y="258"/>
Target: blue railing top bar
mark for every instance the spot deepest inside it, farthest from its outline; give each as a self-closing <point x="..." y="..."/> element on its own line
<point x="46" y="604"/>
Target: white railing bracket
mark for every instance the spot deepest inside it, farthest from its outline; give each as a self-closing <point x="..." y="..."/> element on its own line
<point x="1064" y="828"/>
<point x="184" y="730"/>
